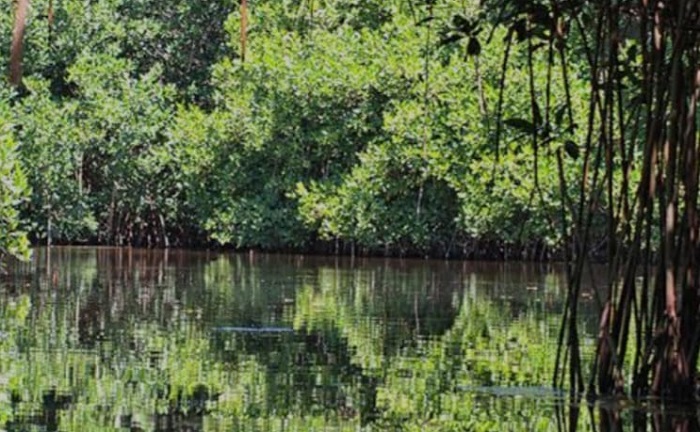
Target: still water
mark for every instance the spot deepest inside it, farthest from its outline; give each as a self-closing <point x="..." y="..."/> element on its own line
<point x="97" y="339"/>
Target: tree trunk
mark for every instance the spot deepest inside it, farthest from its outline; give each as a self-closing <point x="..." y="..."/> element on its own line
<point x="21" y="9"/>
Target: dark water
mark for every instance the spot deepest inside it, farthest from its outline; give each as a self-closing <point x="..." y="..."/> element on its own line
<point x="130" y="340"/>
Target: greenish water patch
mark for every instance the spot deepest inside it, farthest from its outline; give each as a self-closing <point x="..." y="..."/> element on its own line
<point x="127" y="339"/>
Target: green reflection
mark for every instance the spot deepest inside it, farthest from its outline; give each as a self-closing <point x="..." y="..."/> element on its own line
<point x="125" y="339"/>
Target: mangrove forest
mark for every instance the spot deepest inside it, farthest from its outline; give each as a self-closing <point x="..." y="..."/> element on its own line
<point x="275" y="214"/>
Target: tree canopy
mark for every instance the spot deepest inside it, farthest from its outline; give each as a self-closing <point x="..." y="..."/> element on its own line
<point x="351" y="126"/>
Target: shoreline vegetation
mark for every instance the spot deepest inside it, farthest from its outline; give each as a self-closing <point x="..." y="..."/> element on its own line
<point x="357" y="128"/>
<point x="469" y="251"/>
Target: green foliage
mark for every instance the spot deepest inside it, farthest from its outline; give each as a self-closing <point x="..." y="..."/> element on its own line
<point x="92" y="158"/>
<point x="280" y="119"/>
<point x="51" y="155"/>
<point x="13" y="189"/>
<point x="184" y="37"/>
<point x="364" y="125"/>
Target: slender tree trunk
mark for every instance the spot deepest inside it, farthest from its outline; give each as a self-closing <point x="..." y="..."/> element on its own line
<point x="655" y="225"/>
<point x="21" y="9"/>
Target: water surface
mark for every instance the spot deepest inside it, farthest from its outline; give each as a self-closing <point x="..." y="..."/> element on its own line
<point x="128" y="339"/>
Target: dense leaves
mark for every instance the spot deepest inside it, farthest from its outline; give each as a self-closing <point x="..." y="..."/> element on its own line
<point x="351" y="126"/>
<point x="13" y="189"/>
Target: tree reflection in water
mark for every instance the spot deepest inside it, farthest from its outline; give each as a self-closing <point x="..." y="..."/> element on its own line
<point x="126" y="339"/>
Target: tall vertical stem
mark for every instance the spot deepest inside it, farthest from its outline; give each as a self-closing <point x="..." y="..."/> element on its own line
<point x="21" y="9"/>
